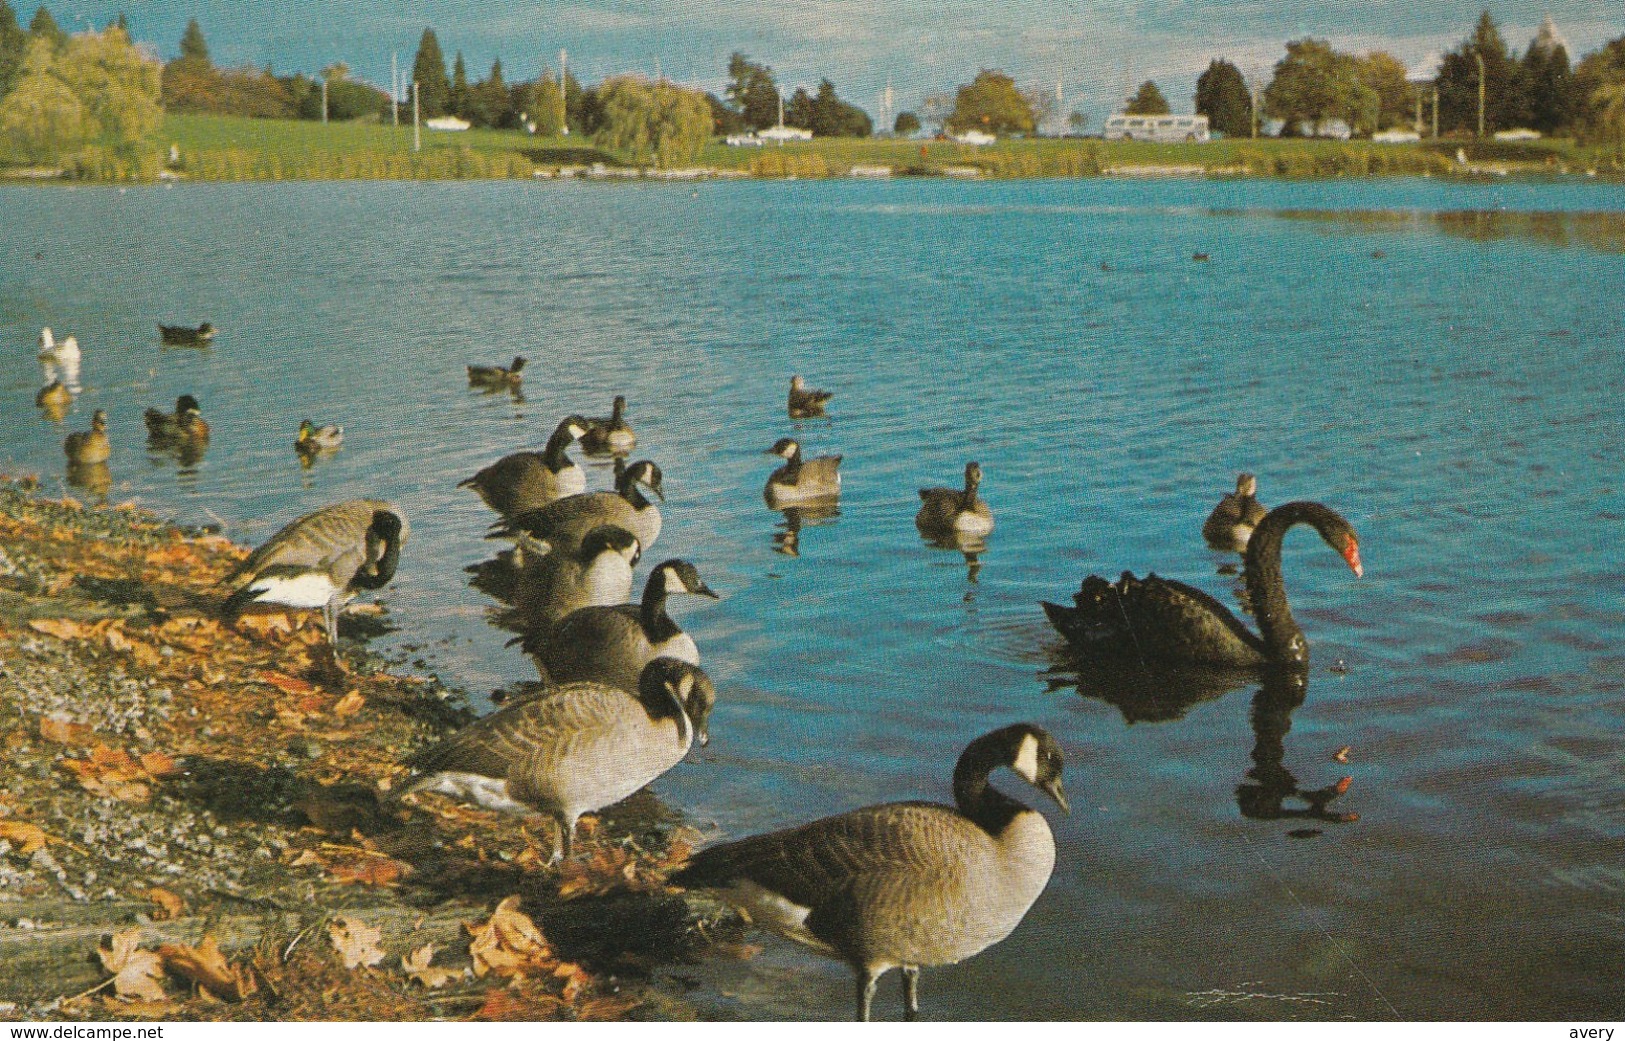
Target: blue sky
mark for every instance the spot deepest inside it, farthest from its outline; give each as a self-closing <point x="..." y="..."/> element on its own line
<point x="1095" y="48"/>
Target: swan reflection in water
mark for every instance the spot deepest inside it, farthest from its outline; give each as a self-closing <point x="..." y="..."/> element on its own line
<point x="787" y="533"/>
<point x="1148" y="694"/>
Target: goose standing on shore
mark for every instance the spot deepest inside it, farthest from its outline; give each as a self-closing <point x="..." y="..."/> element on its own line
<point x="576" y="748"/>
<point x="805" y="402"/>
<point x="564" y="523"/>
<point x="496" y="377"/>
<point x="1231" y="523"/>
<point x="904" y="884"/>
<point x="84" y="447"/>
<point x="1157" y="621"/>
<point x="610" y="434"/>
<point x="949" y="513"/>
<point x="322" y="560"/>
<point x="612" y="644"/>
<point x="799" y="480"/>
<point x="530" y="480"/>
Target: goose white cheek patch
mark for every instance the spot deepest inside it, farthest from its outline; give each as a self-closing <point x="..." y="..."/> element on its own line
<point x="1026" y="763"/>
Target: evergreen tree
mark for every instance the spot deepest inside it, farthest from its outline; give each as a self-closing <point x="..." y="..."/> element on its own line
<point x="1222" y="96"/>
<point x="1598" y="96"/>
<point x="13" y="44"/>
<point x="1147" y="101"/>
<point x="193" y="47"/>
<point x="752" y="92"/>
<point x="1546" y="82"/>
<point x="1459" y="82"/>
<point x="798" y="111"/>
<point x="832" y="117"/>
<point x="429" y="72"/>
<point x="44" y="27"/>
<point x="459" y="88"/>
<point x="489" y="102"/>
<point x="122" y="23"/>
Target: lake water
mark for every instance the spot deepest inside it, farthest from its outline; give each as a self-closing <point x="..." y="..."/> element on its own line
<point x="1442" y="363"/>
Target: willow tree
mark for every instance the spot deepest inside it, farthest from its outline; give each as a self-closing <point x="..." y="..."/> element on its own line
<point x="659" y="123"/>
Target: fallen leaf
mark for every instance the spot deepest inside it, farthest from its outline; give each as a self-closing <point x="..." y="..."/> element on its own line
<point x="350" y="704"/>
<point x="207" y="967"/>
<point x="117" y="641"/>
<point x="157" y="764"/>
<point x="137" y="974"/>
<point x="508" y="944"/>
<point x="356" y="941"/>
<point x="506" y="1006"/>
<point x="368" y="871"/>
<point x="418" y="968"/>
<point x="286" y="684"/>
<point x="26" y="837"/>
<point x="61" y="628"/>
<point x="575" y="979"/>
<point x="606" y="1009"/>
<point x="64" y="732"/>
<point x="171" y="905"/>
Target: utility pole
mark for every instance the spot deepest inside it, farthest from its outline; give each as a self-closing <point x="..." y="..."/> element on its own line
<point x="1435" y="110"/>
<point x="324" y="101"/>
<point x="417" y="131"/>
<point x="564" y="106"/>
<point x="394" y="91"/>
<point x="1480" y="56"/>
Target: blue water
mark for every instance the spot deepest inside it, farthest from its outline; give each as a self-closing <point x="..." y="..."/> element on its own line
<point x="1455" y="397"/>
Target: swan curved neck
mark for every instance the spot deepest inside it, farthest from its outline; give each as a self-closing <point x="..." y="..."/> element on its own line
<point x="989" y="808"/>
<point x="1283" y="637"/>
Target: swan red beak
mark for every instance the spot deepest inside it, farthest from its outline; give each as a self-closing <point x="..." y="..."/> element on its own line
<point x="1351" y="553"/>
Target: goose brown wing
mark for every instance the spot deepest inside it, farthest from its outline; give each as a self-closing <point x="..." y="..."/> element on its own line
<point x="490" y="747"/>
<point x="817" y="863"/>
<point x="332" y="539"/>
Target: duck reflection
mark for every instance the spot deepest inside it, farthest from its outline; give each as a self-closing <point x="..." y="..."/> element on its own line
<point x="787" y="533"/>
<point x="94" y="478"/>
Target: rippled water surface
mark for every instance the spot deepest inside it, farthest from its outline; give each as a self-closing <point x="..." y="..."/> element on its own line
<point x="1450" y="382"/>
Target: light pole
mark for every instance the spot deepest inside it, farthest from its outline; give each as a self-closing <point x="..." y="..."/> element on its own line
<point x="1480" y="56"/>
<point x="324" y="101"/>
<point x="417" y="132"/>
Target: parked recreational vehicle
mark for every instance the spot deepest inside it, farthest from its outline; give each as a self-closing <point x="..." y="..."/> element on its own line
<point x="1156" y="128"/>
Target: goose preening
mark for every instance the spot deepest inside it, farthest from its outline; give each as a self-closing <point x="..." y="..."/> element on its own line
<point x="530" y="480"/>
<point x="185" y="424"/>
<point x="564" y="523"/>
<point x="313" y="439"/>
<point x="949" y="513"/>
<point x="496" y="377"/>
<point x="576" y="748"/>
<point x="805" y="402"/>
<point x="187" y="335"/>
<point x="89" y="446"/>
<point x="597" y="573"/>
<point x="801" y="480"/>
<point x="612" y="644"/>
<point x="610" y="434"/>
<point x="1231" y="523"/>
<point x="323" y="560"/>
<point x="904" y="884"/>
<point x="1156" y="620"/>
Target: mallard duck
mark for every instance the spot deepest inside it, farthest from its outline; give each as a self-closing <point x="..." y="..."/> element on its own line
<point x="186" y="424"/>
<point x="946" y="513"/>
<point x="187" y="336"/>
<point x="314" y="439"/>
<point x="801" y="480"/>
<point x="903" y="884"/>
<point x="805" y="403"/>
<point x="610" y="434"/>
<point x="89" y="446"/>
<point x="495" y="377"/>
<point x="1231" y="523"/>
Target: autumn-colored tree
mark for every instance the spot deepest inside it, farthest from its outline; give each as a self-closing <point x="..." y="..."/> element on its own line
<point x="41" y="117"/>
<point x="98" y="88"/>
<point x="1147" y="101"/>
<point x="992" y="104"/>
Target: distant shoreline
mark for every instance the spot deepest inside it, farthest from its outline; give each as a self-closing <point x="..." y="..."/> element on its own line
<point x="221" y="149"/>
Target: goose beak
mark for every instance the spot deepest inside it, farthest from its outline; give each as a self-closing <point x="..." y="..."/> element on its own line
<point x="1054" y="790"/>
<point x="705" y="590"/>
<point x="702" y="736"/>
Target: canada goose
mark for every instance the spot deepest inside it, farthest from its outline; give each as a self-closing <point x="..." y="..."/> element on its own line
<point x="54" y="395"/>
<point x="949" y="512"/>
<point x="530" y="480"/>
<point x="613" y="644"/>
<point x="495" y="377"/>
<point x="1231" y="523"/>
<point x="610" y="434"/>
<point x="186" y="335"/>
<point x="596" y="573"/>
<point x="903" y="884"/>
<point x="314" y="439"/>
<point x="89" y="446"/>
<point x="186" y="424"/>
<point x="322" y="560"/>
<point x="563" y="523"/>
<point x="805" y="403"/>
<point x="801" y="480"/>
<point x="577" y="748"/>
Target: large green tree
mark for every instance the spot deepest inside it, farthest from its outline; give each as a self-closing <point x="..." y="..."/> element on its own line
<point x="1546" y="82"/>
<point x="458" y="105"/>
<point x="659" y="123"/>
<point x="1147" y="101"/>
<point x="1315" y="85"/>
<point x="13" y="45"/>
<point x="97" y="89"/>
<point x="1599" y="86"/>
<point x="752" y="92"/>
<point x="798" y="111"/>
<point x="429" y="73"/>
<point x="1458" y="82"/>
<point x="489" y="103"/>
<point x="44" y="27"/>
<point x="992" y="104"/>
<point x="1396" y="99"/>
<point x="907" y="124"/>
<point x="193" y="46"/>
<point x="1222" y="96"/>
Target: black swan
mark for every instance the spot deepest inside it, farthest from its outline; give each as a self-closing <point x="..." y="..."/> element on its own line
<point x="1157" y="620"/>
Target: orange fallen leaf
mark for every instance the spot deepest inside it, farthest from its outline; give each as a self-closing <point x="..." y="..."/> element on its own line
<point x="369" y="871"/>
<point x="575" y="979"/>
<point x="27" y="837"/>
<point x="137" y="974"/>
<point x="117" y="641"/>
<point x="350" y="704"/>
<point x="171" y="905"/>
<point x="61" y="628"/>
<point x="356" y="941"/>
<point x="508" y="944"/>
<point x="157" y="764"/>
<point x="286" y="684"/>
<point x="64" y="732"/>
<point x="506" y="1006"/>
<point x="418" y="968"/>
<point x="207" y="967"/>
<point x="1341" y="755"/>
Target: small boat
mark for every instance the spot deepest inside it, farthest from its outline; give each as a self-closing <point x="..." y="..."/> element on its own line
<point x="187" y="336"/>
